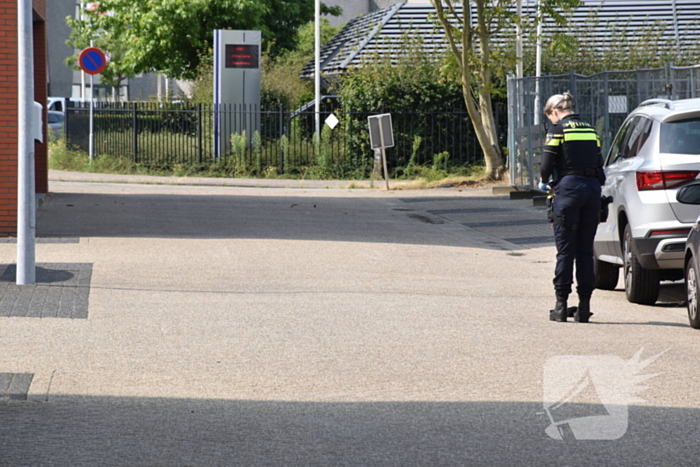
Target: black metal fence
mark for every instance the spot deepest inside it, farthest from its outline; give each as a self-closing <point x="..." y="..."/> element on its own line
<point x="166" y="135"/>
<point x="604" y="100"/>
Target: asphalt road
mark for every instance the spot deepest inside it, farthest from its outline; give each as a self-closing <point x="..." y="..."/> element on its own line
<point x="216" y="326"/>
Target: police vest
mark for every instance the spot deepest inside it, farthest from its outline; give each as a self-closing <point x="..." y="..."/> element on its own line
<point x="575" y="146"/>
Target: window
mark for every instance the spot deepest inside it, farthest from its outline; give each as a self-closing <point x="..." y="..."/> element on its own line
<point x="681" y="137"/>
<point x="55" y="117"/>
<point x="619" y="148"/>
<point x="639" y="136"/>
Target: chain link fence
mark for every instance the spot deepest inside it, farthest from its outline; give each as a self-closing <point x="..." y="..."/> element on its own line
<point x="604" y="100"/>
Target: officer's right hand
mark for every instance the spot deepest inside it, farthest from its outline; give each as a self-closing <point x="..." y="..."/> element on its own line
<point x="543" y="186"/>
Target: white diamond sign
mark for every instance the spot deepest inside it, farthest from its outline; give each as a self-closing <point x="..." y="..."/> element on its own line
<point x="332" y="121"/>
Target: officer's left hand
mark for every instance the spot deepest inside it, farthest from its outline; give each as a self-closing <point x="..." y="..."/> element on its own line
<point x="543" y="186"/>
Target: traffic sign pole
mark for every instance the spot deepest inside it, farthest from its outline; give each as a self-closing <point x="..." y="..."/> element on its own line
<point x="92" y="61"/>
<point x="92" y="118"/>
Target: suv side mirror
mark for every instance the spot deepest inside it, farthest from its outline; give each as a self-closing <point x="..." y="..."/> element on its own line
<point x="689" y="194"/>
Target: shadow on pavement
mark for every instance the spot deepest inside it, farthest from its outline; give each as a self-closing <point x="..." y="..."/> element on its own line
<point x="236" y="217"/>
<point x="91" y="431"/>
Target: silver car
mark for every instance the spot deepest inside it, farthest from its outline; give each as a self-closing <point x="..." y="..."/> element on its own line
<point x="655" y="153"/>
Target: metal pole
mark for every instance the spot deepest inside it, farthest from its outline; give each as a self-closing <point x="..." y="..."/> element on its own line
<point x="381" y="140"/>
<point x="519" y="41"/>
<point x="26" y="226"/>
<point x="317" y="67"/>
<point x="92" y="124"/>
<point x="538" y="64"/>
<point x="91" y="136"/>
<point x="675" y="25"/>
<point x="82" y="73"/>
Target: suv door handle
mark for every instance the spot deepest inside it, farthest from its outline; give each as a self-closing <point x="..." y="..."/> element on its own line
<point x="619" y="179"/>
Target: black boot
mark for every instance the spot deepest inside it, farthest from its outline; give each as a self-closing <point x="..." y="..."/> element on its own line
<point x="559" y="313"/>
<point x="583" y="313"/>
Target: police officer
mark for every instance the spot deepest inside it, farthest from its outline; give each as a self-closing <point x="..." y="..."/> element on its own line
<point x="573" y="160"/>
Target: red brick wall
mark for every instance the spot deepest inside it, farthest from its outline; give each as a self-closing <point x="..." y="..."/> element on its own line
<point x="8" y="108"/>
<point x="41" y="89"/>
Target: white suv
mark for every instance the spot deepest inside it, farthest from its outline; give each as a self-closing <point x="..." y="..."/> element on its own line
<point x="656" y="151"/>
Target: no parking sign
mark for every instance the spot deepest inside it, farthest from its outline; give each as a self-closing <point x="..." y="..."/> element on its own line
<point x="92" y="60"/>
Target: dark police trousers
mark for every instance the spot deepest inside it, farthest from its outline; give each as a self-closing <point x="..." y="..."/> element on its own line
<point x="577" y="204"/>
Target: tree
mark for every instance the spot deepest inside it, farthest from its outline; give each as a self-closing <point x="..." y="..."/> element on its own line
<point x="469" y="32"/>
<point x="83" y="34"/>
<point x="170" y="36"/>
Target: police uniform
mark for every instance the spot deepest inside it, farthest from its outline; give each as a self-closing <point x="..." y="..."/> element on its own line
<point x="572" y="157"/>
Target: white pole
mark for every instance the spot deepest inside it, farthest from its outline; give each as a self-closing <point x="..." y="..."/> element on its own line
<point x="317" y="68"/>
<point x="519" y="41"/>
<point x="92" y="116"/>
<point x="538" y="64"/>
<point x="26" y="260"/>
<point x="82" y="73"/>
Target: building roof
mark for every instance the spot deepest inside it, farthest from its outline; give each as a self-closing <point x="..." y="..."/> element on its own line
<point x="380" y="32"/>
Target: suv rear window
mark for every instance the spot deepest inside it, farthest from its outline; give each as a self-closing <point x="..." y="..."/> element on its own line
<point x="681" y="137"/>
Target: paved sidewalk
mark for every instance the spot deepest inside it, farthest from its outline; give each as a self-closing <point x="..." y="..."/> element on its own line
<point x="231" y="325"/>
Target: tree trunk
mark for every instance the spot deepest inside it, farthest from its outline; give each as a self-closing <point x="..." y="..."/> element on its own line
<point x="484" y="127"/>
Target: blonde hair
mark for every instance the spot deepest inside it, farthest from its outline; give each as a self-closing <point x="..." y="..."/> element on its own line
<point x="563" y="102"/>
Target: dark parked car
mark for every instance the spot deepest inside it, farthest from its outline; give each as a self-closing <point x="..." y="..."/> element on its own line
<point x="690" y="194"/>
<point x="56" y="122"/>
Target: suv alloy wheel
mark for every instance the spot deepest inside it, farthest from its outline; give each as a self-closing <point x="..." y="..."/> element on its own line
<point x="641" y="285"/>
<point x="691" y="284"/>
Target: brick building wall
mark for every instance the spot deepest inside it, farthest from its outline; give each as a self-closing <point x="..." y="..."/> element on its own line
<point x="8" y="108"/>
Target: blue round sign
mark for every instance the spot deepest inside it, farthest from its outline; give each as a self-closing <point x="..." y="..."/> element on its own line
<point x="92" y="61"/>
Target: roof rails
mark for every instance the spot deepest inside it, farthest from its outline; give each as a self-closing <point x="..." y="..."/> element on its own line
<point x="666" y="102"/>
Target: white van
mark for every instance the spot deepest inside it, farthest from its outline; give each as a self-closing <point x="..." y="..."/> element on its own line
<point x="59" y="103"/>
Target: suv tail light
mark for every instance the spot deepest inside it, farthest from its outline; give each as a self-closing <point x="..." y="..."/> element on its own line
<point x="661" y="180"/>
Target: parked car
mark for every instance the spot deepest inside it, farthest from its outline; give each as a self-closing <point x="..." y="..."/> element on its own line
<point x="654" y="154"/>
<point x="60" y="103"/>
<point x="56" y="122"/>
<point x="690" y="194"/>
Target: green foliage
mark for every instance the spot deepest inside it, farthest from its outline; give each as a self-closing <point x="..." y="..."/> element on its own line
<point x="441" y="160"/>
<point x="203" y="85"/>
<point x="235" y="165"/>
<point x="257" y="152"/>
<point x="106" y="35"/>
<point x="280" y="78"/>
<point x="171" y="36"/>
<point x="284" y="146"/>
<point x="413" y="81"/>
<point x="239" y="146"/>
<point x="477" y="59"/>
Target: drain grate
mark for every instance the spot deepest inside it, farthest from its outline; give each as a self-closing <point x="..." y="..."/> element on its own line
<point x="15" y="386"/>
<point x="62" y="290"/>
